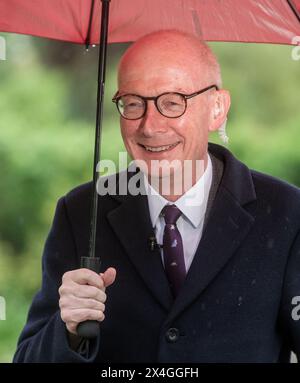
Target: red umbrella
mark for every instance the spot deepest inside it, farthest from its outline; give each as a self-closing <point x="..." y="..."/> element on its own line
<point x="78" y="21"/>
<point x="259" y="21"/>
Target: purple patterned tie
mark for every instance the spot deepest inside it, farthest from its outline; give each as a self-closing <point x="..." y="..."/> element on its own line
<point x="173" y="249"/>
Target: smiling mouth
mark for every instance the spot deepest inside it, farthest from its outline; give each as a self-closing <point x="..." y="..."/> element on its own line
<point x="158" y="149"/>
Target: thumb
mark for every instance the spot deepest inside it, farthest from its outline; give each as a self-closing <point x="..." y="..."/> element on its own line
<point x="109" y="276"/>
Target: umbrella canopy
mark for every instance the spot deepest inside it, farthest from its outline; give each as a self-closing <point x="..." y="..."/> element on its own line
<point x="259" y="21"/>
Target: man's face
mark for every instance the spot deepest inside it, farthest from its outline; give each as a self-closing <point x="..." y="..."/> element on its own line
<point x="183" y="138"/>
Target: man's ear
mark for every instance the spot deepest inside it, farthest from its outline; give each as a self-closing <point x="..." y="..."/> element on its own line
<point x="220" y="109"/>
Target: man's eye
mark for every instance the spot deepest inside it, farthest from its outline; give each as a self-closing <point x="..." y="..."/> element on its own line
<point x="133" y="105"/>
<point x="171" y="104"/>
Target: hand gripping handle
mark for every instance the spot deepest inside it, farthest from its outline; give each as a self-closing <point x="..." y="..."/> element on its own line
<point x="90" y="328"/>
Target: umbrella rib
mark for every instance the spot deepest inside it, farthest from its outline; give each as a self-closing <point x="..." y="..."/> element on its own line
<point x="294" y="9"/>
<point x="88" y="36"/>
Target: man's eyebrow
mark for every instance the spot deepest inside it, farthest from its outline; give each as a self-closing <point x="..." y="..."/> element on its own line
<point x="167" y="90"/>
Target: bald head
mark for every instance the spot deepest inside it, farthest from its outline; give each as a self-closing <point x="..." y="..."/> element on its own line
<point x="169" y="48"/>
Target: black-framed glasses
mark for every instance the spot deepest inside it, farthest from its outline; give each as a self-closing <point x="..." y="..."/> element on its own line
<point x="169" y="104"/>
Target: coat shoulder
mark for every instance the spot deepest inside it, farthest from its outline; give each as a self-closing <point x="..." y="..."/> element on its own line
<point x="266" y="181"/>
<point x="83" y="192"/>
<point x="80" y="192"/>
<point x="277" y="193"/>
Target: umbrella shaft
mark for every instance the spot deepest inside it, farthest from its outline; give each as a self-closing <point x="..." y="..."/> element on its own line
<point x="99" y="117"/>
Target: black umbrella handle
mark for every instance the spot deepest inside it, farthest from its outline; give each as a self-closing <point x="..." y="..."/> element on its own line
<point x="89" y="329"/>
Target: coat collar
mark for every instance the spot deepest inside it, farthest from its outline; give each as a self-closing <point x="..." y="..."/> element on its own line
<point x="227" y="226"/>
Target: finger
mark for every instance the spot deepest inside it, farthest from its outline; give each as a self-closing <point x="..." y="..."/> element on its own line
<point x="90" y="292"/>
<point x="81" y="315"/>
<point x="109" y="276"/>
<point x="73" y="302"/>
<point x="84" y="277"/>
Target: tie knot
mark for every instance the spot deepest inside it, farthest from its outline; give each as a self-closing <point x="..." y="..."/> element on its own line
<point x="171" y="213"/>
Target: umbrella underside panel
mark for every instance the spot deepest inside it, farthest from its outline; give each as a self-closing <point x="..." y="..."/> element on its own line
<point x="262" y="21"/>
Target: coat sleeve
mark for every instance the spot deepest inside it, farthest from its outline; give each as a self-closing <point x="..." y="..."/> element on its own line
<point x="44" y="337"/>
<point x="290" y="303"/>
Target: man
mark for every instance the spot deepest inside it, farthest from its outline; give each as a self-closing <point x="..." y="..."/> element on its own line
<point x="221" y="285"/>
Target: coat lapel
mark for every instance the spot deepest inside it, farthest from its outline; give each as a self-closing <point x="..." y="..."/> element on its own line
<point x="227" y="226"/>
<point x="132" y="225"/>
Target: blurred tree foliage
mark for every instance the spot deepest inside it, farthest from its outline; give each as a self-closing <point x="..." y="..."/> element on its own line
<point x="47" y="105"/>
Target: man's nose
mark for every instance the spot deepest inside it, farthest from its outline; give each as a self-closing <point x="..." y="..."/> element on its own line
<point x="153" y="121"/>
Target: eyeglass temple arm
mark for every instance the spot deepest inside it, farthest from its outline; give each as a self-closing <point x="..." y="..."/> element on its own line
<point x="201" y="91"/>
<point x="114" y="99"/>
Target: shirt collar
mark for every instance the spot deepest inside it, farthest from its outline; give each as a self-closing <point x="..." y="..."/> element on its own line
<point x="192" y="204"/>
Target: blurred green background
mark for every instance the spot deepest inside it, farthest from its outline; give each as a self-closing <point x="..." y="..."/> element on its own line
<point x="47" y="113"/>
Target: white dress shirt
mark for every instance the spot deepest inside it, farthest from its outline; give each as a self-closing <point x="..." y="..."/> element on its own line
<point x="193" y="207"/>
